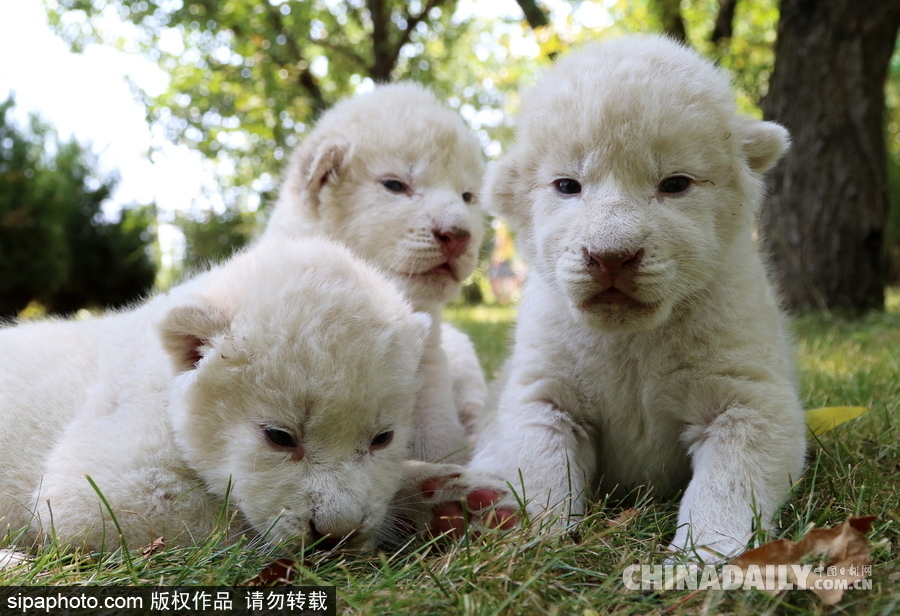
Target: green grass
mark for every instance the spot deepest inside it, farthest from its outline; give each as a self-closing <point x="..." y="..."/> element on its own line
<point x="490" y="328"/>
<point x="853" y="469"/>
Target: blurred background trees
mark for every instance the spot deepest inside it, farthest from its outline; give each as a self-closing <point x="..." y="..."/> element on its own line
<point x="247" y="76"/>
<point x="248" y="79"/>
<point x="56" y="245"/>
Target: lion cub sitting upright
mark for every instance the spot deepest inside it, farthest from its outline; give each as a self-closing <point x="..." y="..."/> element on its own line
<point x="394" y="175"/>
<point x="650" y="350"/>
<point x="245" y="386"/>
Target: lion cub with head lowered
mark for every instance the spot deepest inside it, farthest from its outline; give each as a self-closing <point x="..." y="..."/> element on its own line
<point x="394" y="175"/>
<point x="650" y="349"/>
<point x="281" y="383"/>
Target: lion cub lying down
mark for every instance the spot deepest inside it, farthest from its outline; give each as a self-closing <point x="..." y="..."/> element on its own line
<point x="283" y="380"/>
<point x="650" y="350"/>
<point x="394" y="175"/>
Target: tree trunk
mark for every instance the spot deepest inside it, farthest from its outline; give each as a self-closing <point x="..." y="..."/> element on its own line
<point x="824" y="222"/>
<point x="669" y="13"/>
<point x="724" y="27"/>
<point x="382" y="65"/>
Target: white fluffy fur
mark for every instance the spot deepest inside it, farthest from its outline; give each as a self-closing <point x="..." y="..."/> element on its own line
<point x="334" y="186"/>
<point x="470" y="391"/>
<point x="680" y="378"/>
<point x="302" y="337"/>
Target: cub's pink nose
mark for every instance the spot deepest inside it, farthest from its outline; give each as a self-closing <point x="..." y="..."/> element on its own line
<point x="612" y="264"/>
<point x="453" y="241"/>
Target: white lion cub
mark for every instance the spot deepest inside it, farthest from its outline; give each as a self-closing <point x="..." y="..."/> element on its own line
<point x="394" y="175"/>
<point x="650" y="349"/>
<point x="283" y="381"/>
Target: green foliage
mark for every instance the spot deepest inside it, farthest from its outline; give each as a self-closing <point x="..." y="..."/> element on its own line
<point x="248" y="78"/>
<point x="30" y="209"/>
<point x="211" y="237"/>
<point x="110" y="263"/>
<point x="490" y="328"/>
<point x="55" y="245"/>
<point x="892" y="138"/>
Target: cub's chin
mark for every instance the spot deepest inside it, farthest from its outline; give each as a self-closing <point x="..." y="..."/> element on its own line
<point x="294" y="539"/>
<point x="613" y="311"/>
<point x="431" y="287"/>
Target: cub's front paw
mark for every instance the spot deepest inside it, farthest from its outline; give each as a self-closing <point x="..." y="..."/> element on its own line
<point x="707" y="548"/>
<point x="449" y="499"/>
<point x="468" y="500"/>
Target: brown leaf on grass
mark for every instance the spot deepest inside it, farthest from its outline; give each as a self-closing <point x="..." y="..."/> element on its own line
<point x="838" y="553"/>
<point x="624" y="518"/>
<point x="279" y="572"/>
<point x="155" y="546"/>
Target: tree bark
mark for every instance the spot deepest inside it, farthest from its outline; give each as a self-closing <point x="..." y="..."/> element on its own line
<point x="381" y="42"/>
<point x="824" y="223"/>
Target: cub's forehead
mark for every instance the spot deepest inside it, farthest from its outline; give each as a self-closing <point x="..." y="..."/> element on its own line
<point x="352" y="378"/>
<point x="621" y="73"/>
<point x="341" y="401"/>
<point x="629" y="96"/>
<point x="425" y="151"/>
<point x="340" y="349"/>
<point x="402" y="128"/>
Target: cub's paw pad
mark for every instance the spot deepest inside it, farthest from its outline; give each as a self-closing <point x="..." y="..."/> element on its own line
<point x="459" y="508"/>
<point x="448" y="518"/>
<point x="434" y="485"/>
<point x="504" y="519"/>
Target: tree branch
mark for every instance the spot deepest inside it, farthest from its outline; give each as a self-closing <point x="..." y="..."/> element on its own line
<point x="306" y="79"/>
<point x="534" y="15"/>
<point x="385" y="54"/>
<point x="411" y="22"/>
<point x="345" y="51"/>
<point x="724" y="27"/>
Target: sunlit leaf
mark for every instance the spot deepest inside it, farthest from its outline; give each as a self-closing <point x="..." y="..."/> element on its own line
<point x="824" y="419"/>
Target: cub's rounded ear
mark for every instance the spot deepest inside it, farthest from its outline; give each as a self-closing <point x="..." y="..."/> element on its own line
<point x="185" y="330"/>
<point x="503" y="186"/>
<point x="317" y="165"/>
<point x="763" y="143"/>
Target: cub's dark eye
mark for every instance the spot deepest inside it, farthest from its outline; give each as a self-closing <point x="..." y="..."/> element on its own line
<point x="468" y="197"/>
<point x="394" y="185"/>
<point x="280" y="438"/>
<point x="382" y="440"/>
<point x="675" y="184"/>
<point x="567" y="186"/>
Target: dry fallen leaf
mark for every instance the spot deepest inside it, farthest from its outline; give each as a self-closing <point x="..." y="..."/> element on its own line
<point x="841" y="551"/>
<point x="279" y="572"/>
<point x="624" y="518"/>
<point x="155" y="546"/>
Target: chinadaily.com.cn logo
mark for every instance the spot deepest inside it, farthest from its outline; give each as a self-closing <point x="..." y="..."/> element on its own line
<point x="761" y="577"/>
